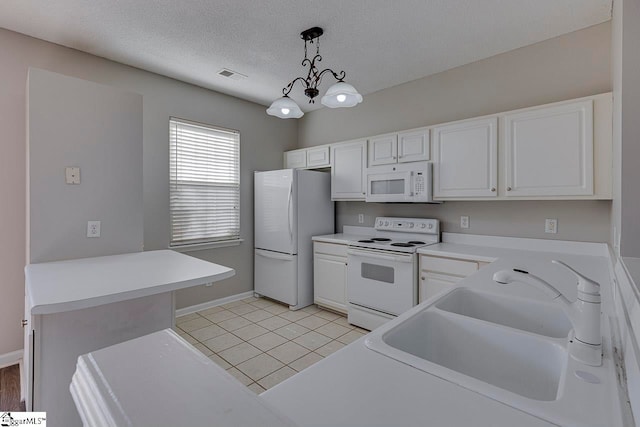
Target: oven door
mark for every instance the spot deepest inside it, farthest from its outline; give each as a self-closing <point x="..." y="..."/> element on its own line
<point x="389" y="187"/>
<point x="381" y="280"/>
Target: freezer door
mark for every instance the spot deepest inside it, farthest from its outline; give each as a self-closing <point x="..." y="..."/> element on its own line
<point x="276" y="276"/>
<point x="275" y="211"/>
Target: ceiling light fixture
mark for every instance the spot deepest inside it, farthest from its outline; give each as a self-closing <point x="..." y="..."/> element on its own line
<point x="339" y="95"/>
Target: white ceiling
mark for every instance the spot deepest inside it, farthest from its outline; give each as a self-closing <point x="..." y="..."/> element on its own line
<point x="379" y="43"/>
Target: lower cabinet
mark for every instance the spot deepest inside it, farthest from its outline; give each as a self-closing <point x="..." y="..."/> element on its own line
<point x="53" y="343"/>
<point x="438" y="274"/>
<point x="330" y="275"/>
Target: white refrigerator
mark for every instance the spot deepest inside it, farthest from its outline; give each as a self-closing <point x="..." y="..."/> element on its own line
<point x="291" y="206"/>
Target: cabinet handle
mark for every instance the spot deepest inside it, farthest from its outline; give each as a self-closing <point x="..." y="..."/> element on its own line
<point x="508" y="188"/>
<point x="422" y="278"/>
<point x="24" y="322"/>
<point x="493" y="189"/>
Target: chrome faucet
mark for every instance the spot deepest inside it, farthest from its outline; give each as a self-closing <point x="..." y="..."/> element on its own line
<point x="584" y="313"/>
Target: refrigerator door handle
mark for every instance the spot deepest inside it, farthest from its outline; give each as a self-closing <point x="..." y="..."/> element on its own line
<point x="290" y="207"/>
<point x="275" y="255"/>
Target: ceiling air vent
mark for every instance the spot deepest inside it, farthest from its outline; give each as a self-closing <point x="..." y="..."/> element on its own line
<point x="225" y="72"/>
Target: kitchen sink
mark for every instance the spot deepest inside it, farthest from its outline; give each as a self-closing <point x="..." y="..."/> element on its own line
<point x="546" y="319"/>
<point x="524" y="364"/>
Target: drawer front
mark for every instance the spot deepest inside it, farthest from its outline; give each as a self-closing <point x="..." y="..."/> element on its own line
<point x="448" y="266"/>
<point x="335" y="249"/>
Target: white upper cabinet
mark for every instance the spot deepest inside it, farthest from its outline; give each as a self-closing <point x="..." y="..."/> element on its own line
<point x="383" y="150"/>
<point x="466" y="159"/>
<point x="318" y="157"/>
<point x="413" y="146"/>
<point x="408" y="146"/>
<point x="349" y="161"/>
<point x="295" y="159"/>
<point x="307" y="158"/>
<point x="548" y="151"/>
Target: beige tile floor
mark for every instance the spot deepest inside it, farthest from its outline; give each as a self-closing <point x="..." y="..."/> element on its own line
<point x="261" y="342"/>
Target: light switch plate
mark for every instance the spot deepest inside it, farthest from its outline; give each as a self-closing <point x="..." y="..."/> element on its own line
<point x="551" y="225"/>
<point x="93" y="228"/>
<point x="72" y="175"/>
<point x="464" y="222"/>
<point x="360" y="218"/>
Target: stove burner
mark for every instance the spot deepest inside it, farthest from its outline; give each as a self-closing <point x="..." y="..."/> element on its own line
<point x="403" y="245"/>
<point x="365" y="241"/>
<point x="416" y="242"/>
<point x="381" y="239"/>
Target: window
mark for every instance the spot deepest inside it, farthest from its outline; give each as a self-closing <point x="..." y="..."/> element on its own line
<point x="204" y="183"/>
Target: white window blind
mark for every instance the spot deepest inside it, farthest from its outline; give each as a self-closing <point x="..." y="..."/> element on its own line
<point x="204" y="183"/>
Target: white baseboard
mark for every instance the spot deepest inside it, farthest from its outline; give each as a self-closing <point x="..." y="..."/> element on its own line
<point x="214" y="303"/>
<point x="9" y="359"/>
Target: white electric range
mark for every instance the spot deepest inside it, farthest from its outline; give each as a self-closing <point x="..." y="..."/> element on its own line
<point x="382" y="270"/>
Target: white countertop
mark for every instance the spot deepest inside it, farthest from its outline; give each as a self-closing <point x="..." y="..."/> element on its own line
<point x="359" y="387"/>
<point x="191" y="390"/>
<point x="338" y="238"/>
<point x="55" y="287"/>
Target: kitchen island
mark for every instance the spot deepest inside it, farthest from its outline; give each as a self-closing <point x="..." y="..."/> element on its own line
<point x="78" y="306"/>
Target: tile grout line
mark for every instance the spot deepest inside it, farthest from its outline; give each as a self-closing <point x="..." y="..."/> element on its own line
<point x="263" y="306"/>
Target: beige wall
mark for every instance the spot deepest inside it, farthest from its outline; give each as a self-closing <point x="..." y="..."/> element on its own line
<point x="566" y="67"/>
<point x="630" y="129"/>
<point x="74" y="122"/>
<point x="580" y="220"/>
<point x="263" y="139"/>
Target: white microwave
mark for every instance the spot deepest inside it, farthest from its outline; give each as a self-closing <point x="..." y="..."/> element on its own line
<point x="400" y="183"/>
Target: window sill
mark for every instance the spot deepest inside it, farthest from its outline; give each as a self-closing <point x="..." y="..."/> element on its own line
<point x="204" y="246"/>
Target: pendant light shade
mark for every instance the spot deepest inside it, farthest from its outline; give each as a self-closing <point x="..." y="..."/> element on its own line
<point x="285" y="108"/>
<point x="341" y="95"/>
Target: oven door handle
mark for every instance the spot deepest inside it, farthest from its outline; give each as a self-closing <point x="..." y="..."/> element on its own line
<point x="377" y="255"/>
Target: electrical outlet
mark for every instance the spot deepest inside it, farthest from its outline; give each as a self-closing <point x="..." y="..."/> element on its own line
<point x="464" y="222"/>
<point x="551" y="225"/>
<point x="360" y="218"/>
<point x="93" y="229"/>
<point x="72" y="175"/>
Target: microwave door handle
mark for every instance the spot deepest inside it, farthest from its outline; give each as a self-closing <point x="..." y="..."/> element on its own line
<point x="410" y="185"/>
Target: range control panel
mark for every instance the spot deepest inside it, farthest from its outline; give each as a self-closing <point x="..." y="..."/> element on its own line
<point x="412" y="225"/>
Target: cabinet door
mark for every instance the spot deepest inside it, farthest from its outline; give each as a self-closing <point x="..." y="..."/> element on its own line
<point x="465" y="159"/>
<point x="549" y="151"/>
<point x="295" y="159"/>
<point x="383" y="150"/>
<point x="329" y="281"/>
<point x="413" y="146"/>
<point x="432" y="284"/>
<point x="317" y="157"/>
<point x="347" y="171"/>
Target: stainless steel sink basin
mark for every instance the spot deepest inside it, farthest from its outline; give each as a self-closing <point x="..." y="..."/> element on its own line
<point x="536" y="317"/>
<point x="524" y="364"/>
